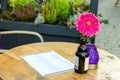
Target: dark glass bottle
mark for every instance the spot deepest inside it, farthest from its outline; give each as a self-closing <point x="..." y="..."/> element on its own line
<point x="81" y="58"/>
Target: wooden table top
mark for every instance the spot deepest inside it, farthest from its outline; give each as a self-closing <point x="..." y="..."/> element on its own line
<point x="13" y="67"/>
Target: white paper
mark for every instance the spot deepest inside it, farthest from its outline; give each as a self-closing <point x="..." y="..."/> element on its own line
<point x="47" y="63"/>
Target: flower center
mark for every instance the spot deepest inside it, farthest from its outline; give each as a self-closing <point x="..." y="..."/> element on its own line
<point x="89" y="23"/>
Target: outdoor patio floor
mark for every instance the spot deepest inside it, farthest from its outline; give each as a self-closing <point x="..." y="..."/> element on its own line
<point x="109" y="36"/>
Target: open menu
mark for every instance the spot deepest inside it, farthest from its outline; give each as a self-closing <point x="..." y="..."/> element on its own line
<point x="47" y="63"/>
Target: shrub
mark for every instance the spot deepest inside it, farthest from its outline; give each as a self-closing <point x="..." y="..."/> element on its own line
<point x="56" y="10"/>
<point x="61" y="12"/>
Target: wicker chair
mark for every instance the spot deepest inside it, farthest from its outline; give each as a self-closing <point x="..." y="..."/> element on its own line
<point x="21" y="32"/>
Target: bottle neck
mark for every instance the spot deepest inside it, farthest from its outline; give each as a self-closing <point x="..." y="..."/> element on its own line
<point x="83" y="41"/>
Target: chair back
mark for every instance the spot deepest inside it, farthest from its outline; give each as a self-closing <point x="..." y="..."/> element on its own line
<point x="36" y="34"/>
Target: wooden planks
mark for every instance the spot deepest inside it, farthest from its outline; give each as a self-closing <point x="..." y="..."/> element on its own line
<point x="12" y="67"/>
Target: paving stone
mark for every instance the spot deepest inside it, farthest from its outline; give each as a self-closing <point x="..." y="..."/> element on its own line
<point x="108" y="38"/>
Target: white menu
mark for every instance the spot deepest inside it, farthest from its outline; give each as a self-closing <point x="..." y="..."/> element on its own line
<point x="47" y="63"/>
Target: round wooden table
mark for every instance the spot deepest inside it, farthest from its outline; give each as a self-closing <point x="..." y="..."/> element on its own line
<point x="13" y="67"/>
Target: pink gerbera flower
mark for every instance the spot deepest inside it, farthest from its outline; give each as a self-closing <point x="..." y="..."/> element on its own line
<point x="88" y="24"/>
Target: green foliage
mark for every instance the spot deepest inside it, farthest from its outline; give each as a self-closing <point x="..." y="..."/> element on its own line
<point x="5" y="15"/>
<point x="63" y="9"/>
<point x="49" y="12"/>
<point x="21" y="3"/>
<point x="77" y="2"/>
<point x="60" y="12"/>
<point x="84" y="7"/>
<point x="72" y="19"/>
<point x="78" y="6"/>
<point x="105" y="21"/>
<point x="55" y="10"/>
<point x="21" y="10"/>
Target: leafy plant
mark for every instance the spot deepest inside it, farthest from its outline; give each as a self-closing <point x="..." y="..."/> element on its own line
<point x="20" y="3"/>
<point x="23" y="10"/>
<point x="25" y="14"/>
<point x="77" y="3"/>
<point x="102" y="20"/>
<point x="72" y="19"/>
<point x="60" y="12"/>
<point x="63" y="9"/>
<point x="49" y="11"/>
<point x="55" y="10"/>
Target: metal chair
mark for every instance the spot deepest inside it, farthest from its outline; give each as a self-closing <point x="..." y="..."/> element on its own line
<point x="21" y="32"/>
